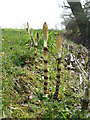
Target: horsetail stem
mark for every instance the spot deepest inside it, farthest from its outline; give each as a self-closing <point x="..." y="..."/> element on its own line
<point x="59" y="49"/>
<point x="38" y="37"/>
<point x="35" y="51"/>
<point x="45" y="37"/>
<point x="32" y="39"/>
<point x="35" y="46"/>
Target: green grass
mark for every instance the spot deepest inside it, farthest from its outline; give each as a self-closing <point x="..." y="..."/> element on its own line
<point x="23" y="88"/>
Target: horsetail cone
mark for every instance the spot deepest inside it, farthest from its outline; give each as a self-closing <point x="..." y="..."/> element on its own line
<point x="59" y="44"/>
<point x="45" y="34"/>
<point x="45" y="31"/>
<point x="45" y="37"/>
<point x="31" y="32"/>
<point x="27" y="27"/>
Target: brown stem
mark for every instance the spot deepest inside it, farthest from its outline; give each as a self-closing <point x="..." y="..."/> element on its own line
<point x="45" y="69"/>
<point x="58" y="79"/>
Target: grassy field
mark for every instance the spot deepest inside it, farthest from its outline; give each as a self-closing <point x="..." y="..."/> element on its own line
<point x="22" y="79"/>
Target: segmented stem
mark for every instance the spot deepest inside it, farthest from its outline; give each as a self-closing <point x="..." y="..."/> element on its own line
<point x="59" y="48"/>
<point x="58" y="77"/>
<point x="45" y="69"/>
<point x="35" y="51"/>
<point x="38" y="37"/>
<point x="35" y="46"/>
<point x="45" y="36"/>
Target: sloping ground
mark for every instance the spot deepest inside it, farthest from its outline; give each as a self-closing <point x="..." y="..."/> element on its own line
<point x="22" y="78"/>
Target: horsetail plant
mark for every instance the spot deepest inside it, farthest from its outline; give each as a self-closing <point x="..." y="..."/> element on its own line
<point x="45" y="37"/>
<point x="59" y="49"/>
